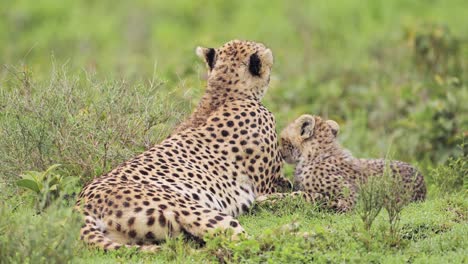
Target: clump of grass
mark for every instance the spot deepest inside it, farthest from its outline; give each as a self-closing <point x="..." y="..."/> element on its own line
<point x="383" y="192"/>
<point x="370" y="200"/>
<point x="85" y="124"/>
<point x="422" y="231"/>
<point x="277" y="245"/>
<point x="451" y="176"/>
<point x="395" y="199"/>
<point x="27" y="237"/>
<point x="290" y="205"/>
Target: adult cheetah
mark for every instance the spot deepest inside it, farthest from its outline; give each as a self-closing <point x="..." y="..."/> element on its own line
<point x="327" y="172"/>
<point x="206" y="173"/>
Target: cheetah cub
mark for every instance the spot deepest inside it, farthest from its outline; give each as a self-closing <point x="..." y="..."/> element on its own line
<point x="327" y="172"/>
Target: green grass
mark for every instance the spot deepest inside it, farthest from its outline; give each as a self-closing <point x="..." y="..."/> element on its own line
<point x="90" y="84"/>
<point x="430" y="232"/>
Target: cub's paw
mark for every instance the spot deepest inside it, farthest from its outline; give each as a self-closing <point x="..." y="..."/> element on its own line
<point x="261" y="198"/>
<point x="283" y="185"/>
<point x="269" y="198"/>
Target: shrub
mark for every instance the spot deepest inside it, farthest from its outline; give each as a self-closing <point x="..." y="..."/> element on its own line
<point x="395" y="199"/>
<point x="370" y="200"/>
<point x="86" y="125"/>
<point x="386" y="192"/>
<point x="26" y="237"/>
<point x="451" y="176"/>
<point x="436" y="129"/>
<point x="435" y="49"/>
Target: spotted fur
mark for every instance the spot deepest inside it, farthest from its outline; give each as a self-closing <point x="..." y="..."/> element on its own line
<point x="209" y="171"/>
<point x="327" y="172"/>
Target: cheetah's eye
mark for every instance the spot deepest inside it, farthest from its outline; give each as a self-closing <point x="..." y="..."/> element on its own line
<point x="255" y="65"/>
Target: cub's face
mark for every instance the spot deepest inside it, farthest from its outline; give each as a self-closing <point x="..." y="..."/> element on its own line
<point x="307" y="135"/>
<point x="239" y="67"/>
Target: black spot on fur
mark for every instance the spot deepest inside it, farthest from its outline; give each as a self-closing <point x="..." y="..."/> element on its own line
<point x="162" y="220"/>
<point x="132" y="233"/>
<point x="149" y="235"/>
<point x="119" y="214"/>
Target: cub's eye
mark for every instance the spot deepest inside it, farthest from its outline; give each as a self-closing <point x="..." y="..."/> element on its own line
<point x="255" y="65"/>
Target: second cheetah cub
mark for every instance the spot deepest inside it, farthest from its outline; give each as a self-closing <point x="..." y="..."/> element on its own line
<point x="327" y="172"/>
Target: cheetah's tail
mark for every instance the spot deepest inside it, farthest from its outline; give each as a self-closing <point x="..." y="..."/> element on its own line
<point x="95" y="235"/>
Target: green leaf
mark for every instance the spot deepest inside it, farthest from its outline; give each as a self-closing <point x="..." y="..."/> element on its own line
<point x="29" y="184"/>
<point x="32" y="175"/>
<point x="54" y="180"/>
<point x="49" y="170"/>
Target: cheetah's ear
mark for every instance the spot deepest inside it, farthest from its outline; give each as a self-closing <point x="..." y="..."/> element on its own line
<point x="255" y="64"/>
<point x="208" y="55"/>
<point x="305" y="126"/>
<point x="257" y="61"/>
<point x="334" y="127"/>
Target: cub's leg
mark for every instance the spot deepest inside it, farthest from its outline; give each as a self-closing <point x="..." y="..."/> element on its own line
<point x="309" y="197"/>
<point x="337" y="204"/>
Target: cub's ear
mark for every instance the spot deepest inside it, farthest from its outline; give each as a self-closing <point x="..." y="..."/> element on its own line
<point x="334" y="127"/>
<point x="305" y="126"/>
<point x="208" y="55"/>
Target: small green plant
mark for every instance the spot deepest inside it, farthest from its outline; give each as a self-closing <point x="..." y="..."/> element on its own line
<point x="46" y="185"/>
<point x="385" y="192"/>
<point x="370" y="200"/>
<point x="27" y="237"/>
<point x="396" y="197"/>
<point x="452" y="175"/>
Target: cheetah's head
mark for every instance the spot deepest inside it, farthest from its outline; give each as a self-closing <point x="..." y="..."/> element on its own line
<point x="308" y="135"/>
<point x="238" y="68"/>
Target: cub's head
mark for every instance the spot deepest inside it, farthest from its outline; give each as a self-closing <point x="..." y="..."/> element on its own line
<point x="238" y="68"/>
<point x="308" y="135"/>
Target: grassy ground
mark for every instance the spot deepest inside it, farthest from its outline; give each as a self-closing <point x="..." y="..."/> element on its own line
<point x="88" y="84"/>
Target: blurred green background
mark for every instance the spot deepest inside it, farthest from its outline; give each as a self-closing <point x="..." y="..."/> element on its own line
<point x="392" y="73"/>
<point x="88" y="84"/>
